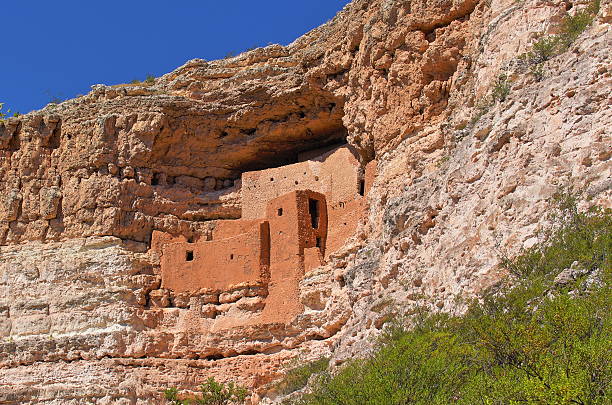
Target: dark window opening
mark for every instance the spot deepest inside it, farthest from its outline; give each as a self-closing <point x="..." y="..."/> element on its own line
<point x="313" y="209"/>
<point x="280" y="212"/>
<point x="318" y="242"/>
<point x="190" y="239"/>
<point x="189" y="256"/>
<point x="361" y="187"/>
<point x="232" y="256"/>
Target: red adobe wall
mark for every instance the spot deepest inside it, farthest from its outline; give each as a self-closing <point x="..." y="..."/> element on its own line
<point x="217" y="265"/>
<point x="312" y="232"/>
<point x="283" y="242"/>
<point x="334" y="174"/>
<point x="231" y="227"/>
<point x="291" y="232"/>
<point x="291" y="225"/>
<point x="342" y="169"/>
<point x="160" y="239"/>
<point x="344" y="216"/>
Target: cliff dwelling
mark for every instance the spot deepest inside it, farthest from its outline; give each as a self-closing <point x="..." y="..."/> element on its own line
<point x="222" y="221"/>
<point x="293" y="218"/>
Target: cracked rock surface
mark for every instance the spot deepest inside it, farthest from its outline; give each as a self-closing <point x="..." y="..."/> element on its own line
<point x="84" y="183"/>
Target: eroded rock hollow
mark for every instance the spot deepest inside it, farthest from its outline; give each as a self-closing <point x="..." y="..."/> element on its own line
<point x="282" y="204"/>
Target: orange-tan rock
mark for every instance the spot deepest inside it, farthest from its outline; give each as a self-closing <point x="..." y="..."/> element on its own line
<point x="96" y="192"/>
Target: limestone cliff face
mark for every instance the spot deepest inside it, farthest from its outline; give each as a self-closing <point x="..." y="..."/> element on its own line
<point x="84" y="184"/>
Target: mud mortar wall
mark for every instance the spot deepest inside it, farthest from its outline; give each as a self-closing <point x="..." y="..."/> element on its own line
<point x="335" y="174"/>
<point x="219" y="264"/>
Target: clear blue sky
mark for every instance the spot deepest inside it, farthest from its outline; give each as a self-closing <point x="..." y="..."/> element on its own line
<point x="60" y="48"/>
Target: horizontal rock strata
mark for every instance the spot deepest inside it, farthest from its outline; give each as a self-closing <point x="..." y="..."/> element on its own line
<point x="83" y="185"/>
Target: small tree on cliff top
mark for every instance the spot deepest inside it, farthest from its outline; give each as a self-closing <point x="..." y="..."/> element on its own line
<point x="4" y="114"/>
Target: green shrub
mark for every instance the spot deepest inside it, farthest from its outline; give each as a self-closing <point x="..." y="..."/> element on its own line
<point x="584" y="237"/>
<point x="501" y="89"/>
<point x="536" y="342"/>
<point x="544" y="49"/>
<point x="499" y="93"/>
<point x="172" y="396"/>
<point x="298" y="377"/>
<point x="7" y="113"/>
<point x="574" y="25"/>
<point x="482" y="108"/>
<point x="148" y="81"/>
<point x="537" y="71"/>
<point x="550" y="46"/>
<point x="3" y="114"/>
<point x="212" y="393"/>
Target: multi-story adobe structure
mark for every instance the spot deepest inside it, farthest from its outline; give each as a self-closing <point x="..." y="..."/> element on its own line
<point x="293" y="218"/>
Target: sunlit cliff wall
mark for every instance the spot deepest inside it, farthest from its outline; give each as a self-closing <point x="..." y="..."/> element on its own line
<point x="84" y="184"/>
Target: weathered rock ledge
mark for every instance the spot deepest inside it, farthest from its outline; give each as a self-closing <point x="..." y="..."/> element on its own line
<point x="84" y="184"/>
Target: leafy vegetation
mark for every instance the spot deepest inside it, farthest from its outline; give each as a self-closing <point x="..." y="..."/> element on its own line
<point x="501" y="89"/>
<point x="7" y="113"/>
<point x="212" y="393"/>
<point x="298" y="377"/>
<point x="499" y="93"/>
<point x="543" y="337"/>
<point x="55" y="98"/>
<point x="149" y="81"/>
<point x="542" y="51"/>
<point x="550" y="46"/>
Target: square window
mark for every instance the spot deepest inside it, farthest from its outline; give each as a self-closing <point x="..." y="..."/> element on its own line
<point x="189" y="256"/>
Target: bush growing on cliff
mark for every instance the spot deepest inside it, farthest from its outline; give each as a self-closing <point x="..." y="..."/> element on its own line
<point x="501" y="89"/>
<point x="150" y="79"/>
<point x="543" y="340"/>
<point x="499" y="93"/>
<point x="298" y="377"/>
<point x="550" y="46"/>
<point x="213" y="393"/>
<point x="6" y="113"/>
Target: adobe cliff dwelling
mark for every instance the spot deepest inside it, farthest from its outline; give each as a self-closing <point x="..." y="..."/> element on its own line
<point x="155" y="235"/>
<point x="293" y="218"/>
